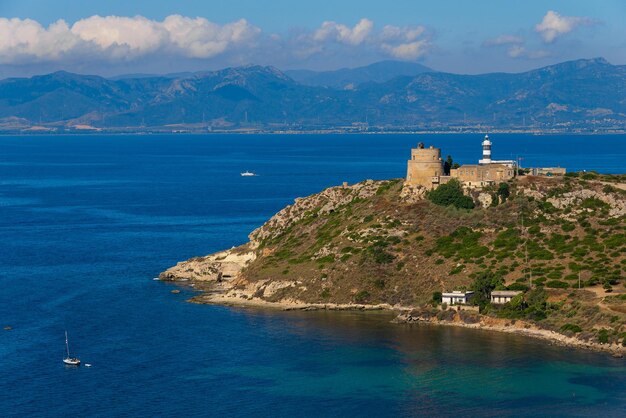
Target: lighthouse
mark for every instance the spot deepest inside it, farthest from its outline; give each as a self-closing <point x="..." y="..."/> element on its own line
<point x="486" y="151"/>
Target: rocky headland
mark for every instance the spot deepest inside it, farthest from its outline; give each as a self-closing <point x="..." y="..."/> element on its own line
<point x="383" y="245"/>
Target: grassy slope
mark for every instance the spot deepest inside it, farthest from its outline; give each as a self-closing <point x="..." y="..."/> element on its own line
<point x="384" y="250"/>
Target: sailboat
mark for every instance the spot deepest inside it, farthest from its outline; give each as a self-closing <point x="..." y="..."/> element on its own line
<point x="71" y="361"/>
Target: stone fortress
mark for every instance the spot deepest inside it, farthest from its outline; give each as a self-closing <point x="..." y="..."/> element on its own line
<point x="426" y="168"/>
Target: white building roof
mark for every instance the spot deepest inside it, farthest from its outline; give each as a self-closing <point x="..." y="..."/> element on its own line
<point x="456" y="293"/>
<point x="506" y="292"/>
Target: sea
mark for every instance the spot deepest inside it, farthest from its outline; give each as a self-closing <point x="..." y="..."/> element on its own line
<point x="87" y="222"/>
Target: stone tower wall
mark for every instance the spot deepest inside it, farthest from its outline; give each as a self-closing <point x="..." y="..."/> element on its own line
<point x="425" y="163"/>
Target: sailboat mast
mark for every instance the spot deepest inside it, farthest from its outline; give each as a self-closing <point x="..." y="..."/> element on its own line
<point x="67" y="345"/>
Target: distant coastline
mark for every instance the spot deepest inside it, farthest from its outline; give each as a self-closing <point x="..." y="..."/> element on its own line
<point x="585" y="95"/>
<point x="330" y="131"/>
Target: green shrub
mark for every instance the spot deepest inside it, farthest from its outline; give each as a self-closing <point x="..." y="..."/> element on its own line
<point x="462" y="243"/>
<point x="457" y="269"/>
<point x="379" y="283"/>
<point x="504" y="191"/>
<point x="537" y="252"/>
<point x="362" y="296"/>
<point x="450" y="194"/>
<point x="437" y="297"/>
<point x="326" y="259"/>
<point x="555" y="275"/>
<point x="534" y="230"/>
<point x="594" y="203"/>
<point x="507" y="239"/>
<point x="557" y="284"/>
<point x="385" y="187"/>
<point x="616" y="240"/>
<point x="603" y="336"/>
<point x="518" y="286"/>
<point x="571" y="327"/>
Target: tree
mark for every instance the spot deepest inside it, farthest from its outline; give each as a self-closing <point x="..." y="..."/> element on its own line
<point x="451" y="194"/>
<point x="483" y="285"/>
<point x="504" y="191"/>
<point x="447" y="165"/>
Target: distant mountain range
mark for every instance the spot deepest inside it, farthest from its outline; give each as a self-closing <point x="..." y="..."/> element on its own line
<point x="349" y="78"/>
<point x="582" y="94"/>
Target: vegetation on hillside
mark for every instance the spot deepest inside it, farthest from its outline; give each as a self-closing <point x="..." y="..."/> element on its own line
<point x="561" y="241"/>
<point x="451" y="194"/>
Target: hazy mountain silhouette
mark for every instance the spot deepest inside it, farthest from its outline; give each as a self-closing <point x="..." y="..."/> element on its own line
<point x="584" y="92"/>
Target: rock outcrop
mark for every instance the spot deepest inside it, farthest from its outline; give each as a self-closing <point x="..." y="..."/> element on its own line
<point x="319" y="204"/>
<point x="224" y="265"/>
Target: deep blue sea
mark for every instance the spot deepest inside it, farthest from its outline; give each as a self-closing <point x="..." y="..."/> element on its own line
<point x="86" y="222"/>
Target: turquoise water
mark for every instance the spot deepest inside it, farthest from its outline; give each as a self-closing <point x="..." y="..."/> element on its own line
<point x="87" y="222"/>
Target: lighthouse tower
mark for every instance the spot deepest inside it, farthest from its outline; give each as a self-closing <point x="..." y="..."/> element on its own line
<point x="486" y="151"/>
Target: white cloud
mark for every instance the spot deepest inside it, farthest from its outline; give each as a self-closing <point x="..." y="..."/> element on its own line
<point x="344" y="34"/>
<point x="519" y="51"/>
<point x="20" y="39"/>
<point x="199" y="38"/>
<point x="554" y="25"/>
<point x="407" y="43"/>
<point x="407" y="51"/>
<point x="102" y="43"/>
<point x="407" y="34"/>
<point x="123" y="36"/>
<point x="114" y="37"/>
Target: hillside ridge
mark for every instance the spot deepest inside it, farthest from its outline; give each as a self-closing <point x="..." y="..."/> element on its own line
<point x="571" y="96"/>
<point x="372" y="245"/>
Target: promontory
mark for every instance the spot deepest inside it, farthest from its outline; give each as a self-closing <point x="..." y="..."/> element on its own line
<point x="541" y="255"/>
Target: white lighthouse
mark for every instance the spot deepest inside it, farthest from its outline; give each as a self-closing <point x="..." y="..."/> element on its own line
<point x="486" y="151"/>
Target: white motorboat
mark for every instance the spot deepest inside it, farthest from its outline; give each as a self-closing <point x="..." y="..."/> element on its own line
<point x="248" y="174"/>
<point x="69" y="360"/>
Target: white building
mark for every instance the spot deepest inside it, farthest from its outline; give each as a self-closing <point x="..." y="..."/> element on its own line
<point x="456" y="297"/>
<point x="486" y="160"/>
<point x="503" y="296"/>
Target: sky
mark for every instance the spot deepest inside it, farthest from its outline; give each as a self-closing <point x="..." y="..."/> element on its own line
<point x="112" y="37"/>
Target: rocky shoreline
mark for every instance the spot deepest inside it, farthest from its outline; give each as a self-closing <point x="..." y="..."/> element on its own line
<point x="527" y="329"/>
<point x="216" y="293"/>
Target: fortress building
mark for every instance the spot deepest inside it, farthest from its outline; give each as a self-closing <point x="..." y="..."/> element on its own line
<point x="425" y="168"/>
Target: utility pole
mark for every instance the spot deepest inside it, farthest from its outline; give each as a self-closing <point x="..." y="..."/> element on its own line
<point x="530" y="273"/>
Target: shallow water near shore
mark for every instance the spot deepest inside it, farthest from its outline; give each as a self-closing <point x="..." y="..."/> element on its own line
<point x="86" y="222"/>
